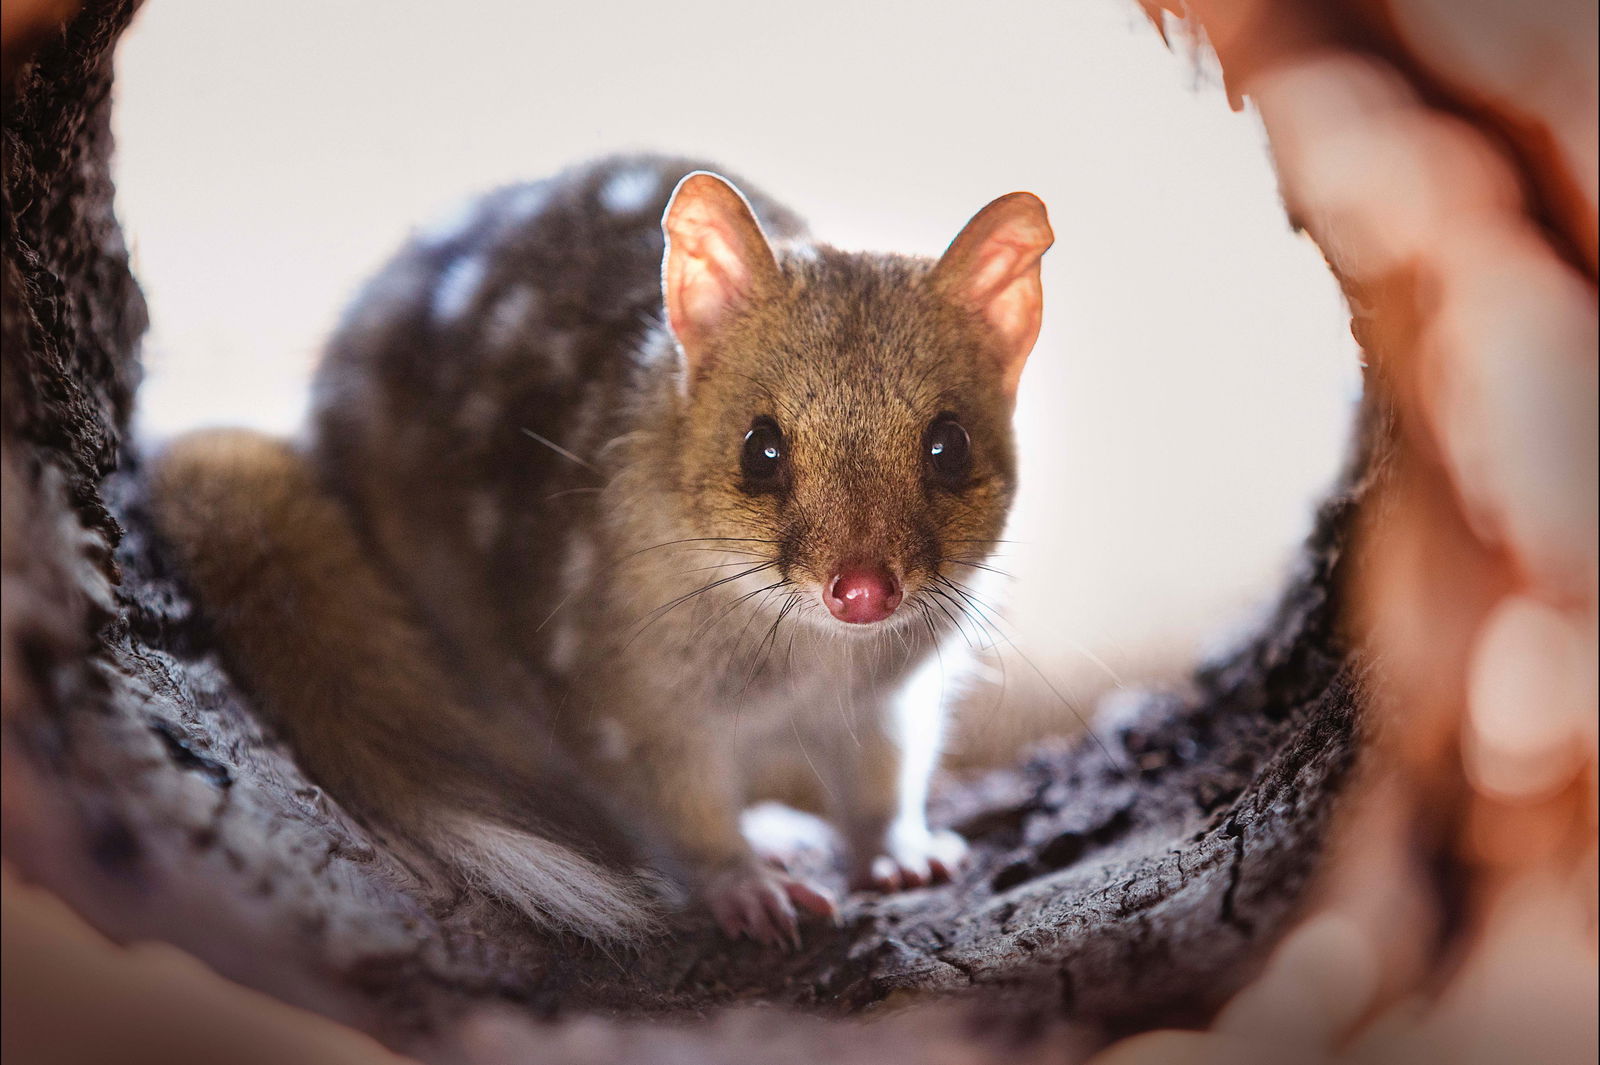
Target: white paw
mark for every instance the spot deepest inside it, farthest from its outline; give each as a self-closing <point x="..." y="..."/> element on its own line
<point x="913" y="857"/>
<point x="785" y="837"/>
<point x="760" y="902"/>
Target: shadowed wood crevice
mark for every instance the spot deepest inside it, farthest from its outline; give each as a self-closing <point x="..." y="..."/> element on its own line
<point x="1135" y="882"/>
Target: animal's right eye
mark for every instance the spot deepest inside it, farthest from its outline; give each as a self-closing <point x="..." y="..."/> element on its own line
<point x="762" y="459"/>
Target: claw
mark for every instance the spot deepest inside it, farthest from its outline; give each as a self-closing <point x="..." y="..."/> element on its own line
<point x="764" y="904"/>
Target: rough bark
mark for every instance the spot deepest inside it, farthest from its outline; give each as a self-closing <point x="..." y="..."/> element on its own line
<point x="1116" y="885"/>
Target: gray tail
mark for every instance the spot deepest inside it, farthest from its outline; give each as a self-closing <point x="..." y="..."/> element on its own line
<point x="555" y="886"/>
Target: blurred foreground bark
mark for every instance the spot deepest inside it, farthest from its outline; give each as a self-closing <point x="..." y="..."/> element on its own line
<point x="1444" y="158"/>
<point x="1114" y="890"/>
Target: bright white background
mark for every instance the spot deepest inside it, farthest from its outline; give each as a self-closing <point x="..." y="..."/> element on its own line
<point x="1189" y="397"/>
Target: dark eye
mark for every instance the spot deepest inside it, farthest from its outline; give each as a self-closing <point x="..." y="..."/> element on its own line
<point x="761" y="461"/>
<point x="949" y="451"/>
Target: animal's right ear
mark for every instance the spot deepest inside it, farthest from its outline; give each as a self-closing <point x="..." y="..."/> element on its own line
<point x="717" y="258"/>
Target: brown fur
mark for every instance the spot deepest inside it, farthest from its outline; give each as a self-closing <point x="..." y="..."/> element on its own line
<point x="521" y="568"/>
<point x="345" y="673"/>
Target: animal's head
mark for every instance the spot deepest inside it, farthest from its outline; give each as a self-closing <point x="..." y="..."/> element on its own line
<point x="851" y="412"/>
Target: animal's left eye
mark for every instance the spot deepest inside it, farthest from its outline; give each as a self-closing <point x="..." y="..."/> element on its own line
<point x="948" y="450"/>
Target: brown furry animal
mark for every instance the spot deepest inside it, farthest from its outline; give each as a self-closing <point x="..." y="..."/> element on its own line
<point x="599" y="535"/>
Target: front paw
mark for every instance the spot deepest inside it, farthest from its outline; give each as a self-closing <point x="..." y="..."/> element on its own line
<point x="760" y="902"/>
<point x="911" y="859"/>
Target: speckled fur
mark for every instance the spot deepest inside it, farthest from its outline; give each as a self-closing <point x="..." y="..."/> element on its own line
<point x="505" y="419"/>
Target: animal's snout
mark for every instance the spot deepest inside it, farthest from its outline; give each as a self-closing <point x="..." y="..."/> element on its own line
<point x="861" y="595"/>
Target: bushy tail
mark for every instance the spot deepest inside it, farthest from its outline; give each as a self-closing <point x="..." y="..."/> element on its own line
<point x="334" y="658"/>
<point x="553" y="884"/>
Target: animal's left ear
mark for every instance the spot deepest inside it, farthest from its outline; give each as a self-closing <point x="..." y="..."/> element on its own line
<point x="992" y="267"/>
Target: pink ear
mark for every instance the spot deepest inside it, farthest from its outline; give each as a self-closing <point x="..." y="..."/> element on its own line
<point x="716" y="258"/>
<point x="992" y="267"/>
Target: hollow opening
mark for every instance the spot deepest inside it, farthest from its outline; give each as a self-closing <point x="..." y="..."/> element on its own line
<point x="1135" y="877"/>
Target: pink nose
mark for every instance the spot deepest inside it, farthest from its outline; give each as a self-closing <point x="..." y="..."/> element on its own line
<point x="863" y="595"/>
